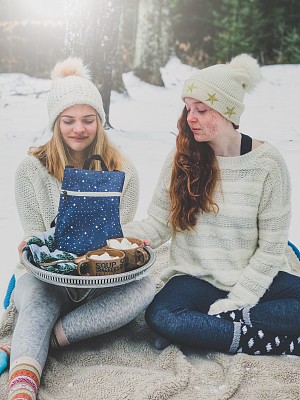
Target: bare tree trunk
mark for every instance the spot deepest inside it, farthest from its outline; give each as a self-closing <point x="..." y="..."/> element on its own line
<point x="117" y="80"/>
<point x="92" y="33"/>
<point x="153" y="41"/>
<point x="126" y="43"/>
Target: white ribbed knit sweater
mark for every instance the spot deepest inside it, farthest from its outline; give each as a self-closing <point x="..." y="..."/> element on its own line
<point x="37" y="197"/>
<point x="240" y="249"/>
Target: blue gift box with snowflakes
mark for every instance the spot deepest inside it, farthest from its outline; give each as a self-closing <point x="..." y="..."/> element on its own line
<point x="89" y="209"/>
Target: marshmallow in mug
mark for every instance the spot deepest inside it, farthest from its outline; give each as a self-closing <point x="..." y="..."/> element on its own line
<point x="123" y="245"/>
<point x="104" y="256"/>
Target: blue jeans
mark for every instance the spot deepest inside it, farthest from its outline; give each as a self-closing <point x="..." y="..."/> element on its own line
<point x="179" y="312"/>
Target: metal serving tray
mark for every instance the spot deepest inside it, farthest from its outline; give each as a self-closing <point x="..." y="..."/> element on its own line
<point x="90" y="281"/>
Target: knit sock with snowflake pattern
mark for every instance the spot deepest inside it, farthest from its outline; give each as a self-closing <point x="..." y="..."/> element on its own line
<point x="239" y="315"/>
<point x="255" y="341"/>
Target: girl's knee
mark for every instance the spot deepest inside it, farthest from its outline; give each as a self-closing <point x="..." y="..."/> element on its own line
<point x="33" y="293"/>
<point x="147" y="288"/>
<point x="288" y="284"/>
<point x="156" y="315"/>
<point x="151" y="317"/>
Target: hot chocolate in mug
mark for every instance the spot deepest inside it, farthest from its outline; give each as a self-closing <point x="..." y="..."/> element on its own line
<point x="102" y="262"/>
<point x="135" y="254"/>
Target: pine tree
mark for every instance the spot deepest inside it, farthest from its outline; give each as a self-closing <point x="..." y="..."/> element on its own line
<point x="193" y="30"/>
<point x="35" y="240"/>
<point x="281" y="30"/>
<point x="238" y="29"/>
<point x="50" y="243"/>
<point x="45" y="257"/>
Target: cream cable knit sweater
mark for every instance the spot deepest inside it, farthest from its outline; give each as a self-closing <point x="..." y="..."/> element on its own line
<point x="37" y="197"/>
<point x="241" y="248"/>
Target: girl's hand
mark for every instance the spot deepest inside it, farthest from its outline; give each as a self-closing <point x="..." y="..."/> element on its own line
<point x="147" y="242"/>
<point x="20" y="248"/>
<point x="222" y="305"/>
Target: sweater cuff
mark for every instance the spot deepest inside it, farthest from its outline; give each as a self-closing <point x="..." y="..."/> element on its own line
<point x="134" y="229"/>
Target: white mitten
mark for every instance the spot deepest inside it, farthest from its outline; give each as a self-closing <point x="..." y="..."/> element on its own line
<point x="222" y="305"/>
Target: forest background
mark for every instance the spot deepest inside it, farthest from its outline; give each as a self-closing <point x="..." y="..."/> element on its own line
<point x="128" y="44"/>
<point x="117" y="36"/>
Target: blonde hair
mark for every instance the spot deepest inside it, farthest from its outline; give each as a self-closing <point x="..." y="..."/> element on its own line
<point x="55" y="157"/>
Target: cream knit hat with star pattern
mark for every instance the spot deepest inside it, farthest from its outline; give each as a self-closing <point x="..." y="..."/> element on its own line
<point x="223" y="86"/>
<point x="71" y="85"/>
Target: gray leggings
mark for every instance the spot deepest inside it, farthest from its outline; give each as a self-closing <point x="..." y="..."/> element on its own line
<point x="40" y="305"/>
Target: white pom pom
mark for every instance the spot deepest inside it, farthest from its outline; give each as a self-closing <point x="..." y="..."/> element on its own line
<point x="251" y="67"/>
<point x="72" y="66"/>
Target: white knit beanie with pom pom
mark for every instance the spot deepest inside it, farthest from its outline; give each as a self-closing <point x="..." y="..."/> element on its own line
<point x="71" y="85"/>
<point x="223" y="86"/>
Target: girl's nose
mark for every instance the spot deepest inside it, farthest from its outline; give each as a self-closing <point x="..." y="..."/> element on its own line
<point x="191" y="117"/>
<point x="78" y="127"/>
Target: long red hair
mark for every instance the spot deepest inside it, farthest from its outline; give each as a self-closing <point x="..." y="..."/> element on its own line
<point x="195" y="175"/>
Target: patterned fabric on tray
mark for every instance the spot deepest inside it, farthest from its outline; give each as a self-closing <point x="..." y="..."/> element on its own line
<point x="42" y="249"/>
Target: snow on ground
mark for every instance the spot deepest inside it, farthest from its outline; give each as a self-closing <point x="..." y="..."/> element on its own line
<point x="144" y="124"/>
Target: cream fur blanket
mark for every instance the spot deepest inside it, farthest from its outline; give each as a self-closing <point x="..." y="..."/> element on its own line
<point x="124" y="365"/>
